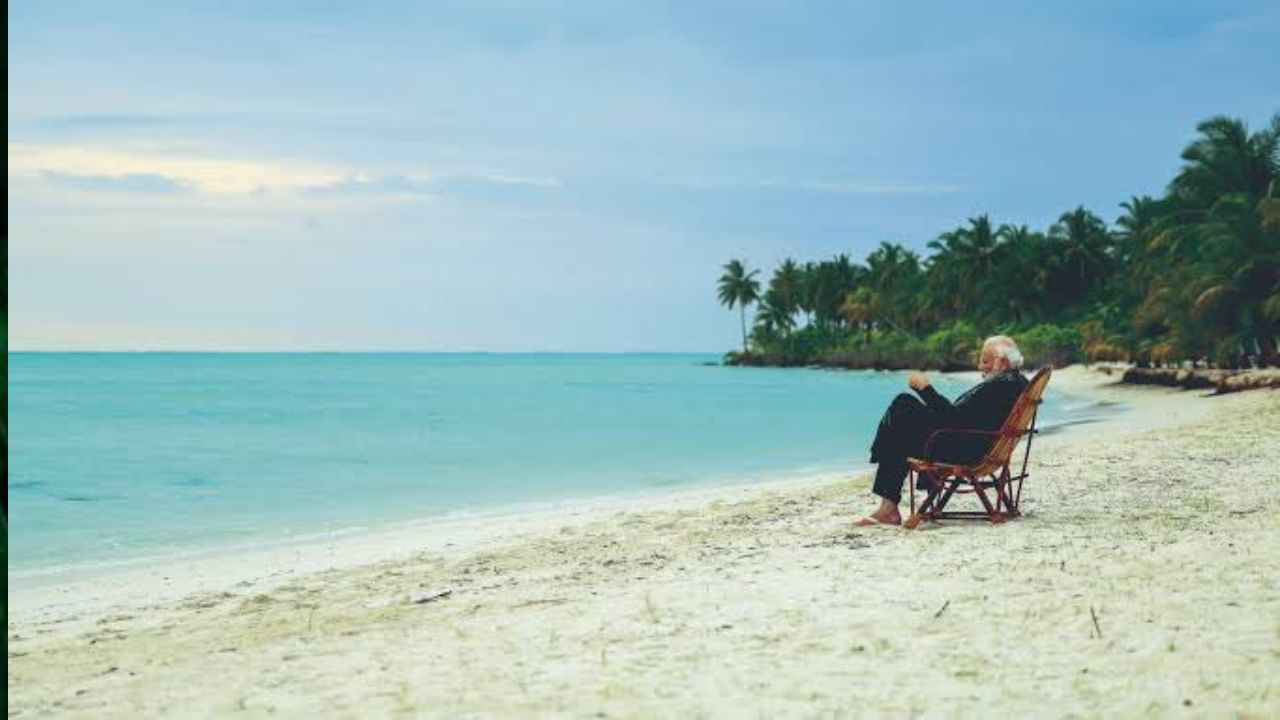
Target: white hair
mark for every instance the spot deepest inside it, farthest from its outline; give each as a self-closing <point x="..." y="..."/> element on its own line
<point x="1004" y="347"/>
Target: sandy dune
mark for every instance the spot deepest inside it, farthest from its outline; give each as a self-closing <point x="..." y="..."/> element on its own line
<point x="1144" y="581"/>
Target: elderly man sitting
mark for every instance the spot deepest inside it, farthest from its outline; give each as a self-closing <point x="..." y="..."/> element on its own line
<point x="908" y="422"/>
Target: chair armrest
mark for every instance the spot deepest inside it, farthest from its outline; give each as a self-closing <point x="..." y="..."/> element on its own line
<point x="964" y="431"/>
<point x="957" y="431"/>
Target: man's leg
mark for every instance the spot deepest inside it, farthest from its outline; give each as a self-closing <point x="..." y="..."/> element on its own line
<point x="901" y="434"/>
<point x="900" y="427"/>
<point x="889" y="477"/>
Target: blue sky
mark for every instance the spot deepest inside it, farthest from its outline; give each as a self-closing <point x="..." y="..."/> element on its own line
<point x="547" y="176"/>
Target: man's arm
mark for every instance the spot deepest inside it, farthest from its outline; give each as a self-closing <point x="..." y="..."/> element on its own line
<point x="934" y="399"/>
<point x="919" y="382"/>
<point x="982" y="406"/>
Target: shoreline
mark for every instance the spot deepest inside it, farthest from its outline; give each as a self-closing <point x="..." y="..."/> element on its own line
<point x="169" y="576"/>
<point x="568" y="506"/>
<point x="101" y="587"/>
<point x="762" y="596"/>
<point x="260" y="560"/>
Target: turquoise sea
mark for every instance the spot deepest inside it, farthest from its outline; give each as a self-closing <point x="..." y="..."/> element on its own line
<point x="115" y="457"/>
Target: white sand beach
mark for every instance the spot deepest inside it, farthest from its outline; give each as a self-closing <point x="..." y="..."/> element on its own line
<point x="1144" y="580"/>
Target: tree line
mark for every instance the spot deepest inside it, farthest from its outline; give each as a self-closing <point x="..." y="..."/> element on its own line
<point x="1191" y="275"/>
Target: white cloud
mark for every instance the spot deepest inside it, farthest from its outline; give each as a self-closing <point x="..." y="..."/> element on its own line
<point x="364" y="184"/>
<point x="129" y="182"/>
<point x="218" y="176"/>
<point x="152" y="168"/>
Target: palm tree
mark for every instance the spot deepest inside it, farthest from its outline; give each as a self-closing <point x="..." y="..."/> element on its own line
<point x="807" y="295"/>
<point x="739" y="287"/>
<point x="1141" y="214"/>
<point x="772" y="319"/>
<point x="786" y="285"/>
<point x="1083" y="246"/>
<point x="827" y="290"/>
<point x="976" y="251"/>
<point x="1269" y="208"/>
<point x="1144" y="217"/>
<point x="1213" y="256"/>
<point x="1225" y="159"/>
<point x="1240" y="263"/>
<point x="1194" y="273"/>
<point x="1021" y="275"/>
<point x="945" y="297"/>
<point x="893" y="273"/>
<point x="858" y="309"/>
<point x="980" y="246"/>
<point x="844" y="279"/>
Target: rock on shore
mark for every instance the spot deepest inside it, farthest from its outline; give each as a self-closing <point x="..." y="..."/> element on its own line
<point x="1223" y="381"/>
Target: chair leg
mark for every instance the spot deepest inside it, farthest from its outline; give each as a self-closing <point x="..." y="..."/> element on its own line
<point x="922" y="513"/>
<point x="929" y="491"/>
<point x="1004" y="493"/>
<point x="992" y="513"/>
<point x="1004" y="506"/>
<point x="911" y="488"/>
<point x="950" y="485"/>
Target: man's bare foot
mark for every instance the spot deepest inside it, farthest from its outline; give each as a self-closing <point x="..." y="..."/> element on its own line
<point x="877" y="518"/>
<point x="886" y="514"/>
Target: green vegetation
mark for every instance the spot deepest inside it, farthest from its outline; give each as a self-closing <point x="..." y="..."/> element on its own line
<point x="737" y="286"/>
<point x="1193" y="275"/>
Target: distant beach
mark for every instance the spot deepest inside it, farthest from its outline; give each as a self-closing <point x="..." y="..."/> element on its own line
<point x="1141" y="582"/>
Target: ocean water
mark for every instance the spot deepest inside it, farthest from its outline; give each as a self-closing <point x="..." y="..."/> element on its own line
<point x="114" y="457"/>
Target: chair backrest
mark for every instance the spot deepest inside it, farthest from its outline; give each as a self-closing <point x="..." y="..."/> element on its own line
<point x="1016" y="424"/>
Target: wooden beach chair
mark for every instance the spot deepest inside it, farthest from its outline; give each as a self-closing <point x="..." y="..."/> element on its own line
<point x="990" y="474"/>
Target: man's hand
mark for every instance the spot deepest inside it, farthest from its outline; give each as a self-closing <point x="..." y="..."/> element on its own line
<point x="918" y="381"/>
